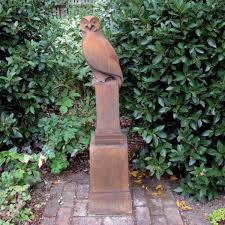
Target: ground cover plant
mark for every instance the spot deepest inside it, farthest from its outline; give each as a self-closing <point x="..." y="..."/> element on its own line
<point x="217" y="216"/>
<point x="173" y="60"/>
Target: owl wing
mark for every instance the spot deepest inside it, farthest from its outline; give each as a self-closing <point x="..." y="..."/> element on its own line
<point x="100" y="55"/>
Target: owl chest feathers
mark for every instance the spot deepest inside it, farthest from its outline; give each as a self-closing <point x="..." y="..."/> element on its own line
<point x="100" y="55"/>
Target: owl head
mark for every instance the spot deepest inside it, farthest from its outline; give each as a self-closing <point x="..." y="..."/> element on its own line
<point x="89" y="23"/>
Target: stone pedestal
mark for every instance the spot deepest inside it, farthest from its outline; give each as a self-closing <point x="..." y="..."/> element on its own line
<point x="109" y="178"/>
<point x="109" y="182"/>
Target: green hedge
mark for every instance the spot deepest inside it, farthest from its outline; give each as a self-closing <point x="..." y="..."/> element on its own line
<point x="41" y="67"/>
<point x="42" y="117"/>
<point x="172" y="53"/>
<point x="24" y="68"/>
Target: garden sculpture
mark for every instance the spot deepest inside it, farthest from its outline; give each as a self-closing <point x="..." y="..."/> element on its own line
<point x="109" y="180"/>
<point x="99" y="53"/>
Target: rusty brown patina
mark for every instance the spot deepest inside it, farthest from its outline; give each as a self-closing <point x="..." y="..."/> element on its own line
<point x="98" y="52"/>
<point x="109" y="180"/>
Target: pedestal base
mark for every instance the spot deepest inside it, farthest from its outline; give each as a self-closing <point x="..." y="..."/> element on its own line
<point x="109" y="179"/>
<point x="111" y="203"/>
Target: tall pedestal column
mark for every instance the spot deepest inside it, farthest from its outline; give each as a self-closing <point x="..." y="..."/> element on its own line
<point x="109" y="179"/>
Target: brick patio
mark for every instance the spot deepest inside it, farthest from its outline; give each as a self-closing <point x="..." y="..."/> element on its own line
<point x="68" y="205"/>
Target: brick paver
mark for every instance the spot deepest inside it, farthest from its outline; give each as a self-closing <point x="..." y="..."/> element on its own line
<point x="80" y="208"/>
<point x="160" y="220"/>
<point x="143" y="216"/>
<point x="48" y="221"/>
<point x="82" y="191"/>
<point x="119" y="220"/>
<point x="68" y="198"/>
<point x="139" y="198"/>
<point x="64" y="215"/>
<point x="68" y="205"/>
<point x="87" y="221"/>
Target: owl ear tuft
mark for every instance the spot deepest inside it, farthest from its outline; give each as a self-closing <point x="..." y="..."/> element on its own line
<point x="82" y="24"/>
<point x="83" y="20"/>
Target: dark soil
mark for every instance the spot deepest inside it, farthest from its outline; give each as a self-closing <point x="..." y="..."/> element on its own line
<point x="200" y="211"/>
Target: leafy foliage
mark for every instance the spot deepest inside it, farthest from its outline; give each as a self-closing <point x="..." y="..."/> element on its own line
<point x="24" y="90"/>
<point x="20" y="171"/>
<point x="172" y="56"/>
<point x="217" y="216"/>
<point x="42" y="73"/>
<point x="23" y="58"/>
<point x="66" y="136"/>
<point x="18" y="168"/>
<point x="13" y="200"/>
<point x="41" y="66"/>
<point x="80" y="10"/>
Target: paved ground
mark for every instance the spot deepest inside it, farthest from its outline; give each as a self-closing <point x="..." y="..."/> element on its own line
<point x="68" y="205"/>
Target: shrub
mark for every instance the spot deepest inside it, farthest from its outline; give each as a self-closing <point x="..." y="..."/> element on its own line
<point x="42" y="72"/>
<point x="217" y="216"/>
<point x="43" y="54"/>
<point x="64" y="128"/>
<point x="173" y="60"/>
<point x="80" y="10"/>
<point x="20" y="171"/>
<point x="24" y="68"/>
<point x="65" y="136"/>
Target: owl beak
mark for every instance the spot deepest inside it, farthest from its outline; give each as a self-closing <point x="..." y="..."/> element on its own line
<point x="90" y="26"/>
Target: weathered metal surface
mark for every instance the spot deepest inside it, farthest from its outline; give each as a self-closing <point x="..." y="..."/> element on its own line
<point x="107" y="106"/>
<point x="99" y="53"/>
<point x="109" y="180"/>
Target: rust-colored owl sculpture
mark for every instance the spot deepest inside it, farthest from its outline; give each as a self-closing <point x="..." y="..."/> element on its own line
<point x="99" y="53"/>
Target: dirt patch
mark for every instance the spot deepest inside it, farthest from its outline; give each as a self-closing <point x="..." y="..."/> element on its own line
<point x="200" y="211"/>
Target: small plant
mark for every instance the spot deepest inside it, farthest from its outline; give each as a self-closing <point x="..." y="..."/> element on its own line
<point x="13" y="202"/>
<point x="67" y="135"/>
<point x="18" y="168"/>
<point x="20" y="171"/>
<point x="217" y="216"/>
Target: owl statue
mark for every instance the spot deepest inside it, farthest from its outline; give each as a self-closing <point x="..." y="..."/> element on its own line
<point x="99" y="53"/>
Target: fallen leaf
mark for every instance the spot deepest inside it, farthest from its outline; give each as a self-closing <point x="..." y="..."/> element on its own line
<point x="56" y="182"/>
<point x="134" y="173"/>
<point x="182" y="205"/>
<point x="173" y="178"/>
<point x="146" y="188"/>
<point x="138" y="181"/>
<point x="159" y="190"/>
<point x="41" y="160"/>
